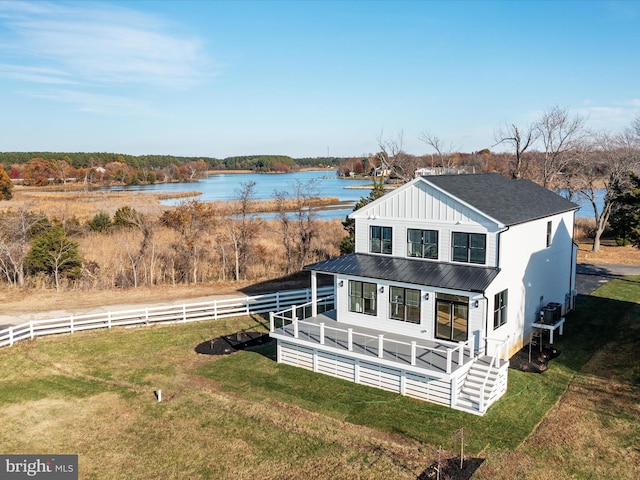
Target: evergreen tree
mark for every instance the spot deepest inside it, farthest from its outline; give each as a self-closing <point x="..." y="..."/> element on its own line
<point x="625" y="215"/>
<point x="53" y="253"/>
<point x="348" y="243"/>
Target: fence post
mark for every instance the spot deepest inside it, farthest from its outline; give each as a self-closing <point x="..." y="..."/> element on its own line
<point x="461" y="353"/>
<point x="11" y="335"/>
<point x="71" y="323"/>
<point x="321" y="333"/>
<point x="215" y="309"/>
<point x="350" y="339"/>
<point x="31" y="329"/>
<point x="278" y="301"/>
<point x="109" y="319"/>
<point x="380" y="346"/>
<point x="146" y="316"/>
<point x="184" y="313"/>
<point x="413" y="352"/>
<point x="271" y="323"/>
<point x="448" y="360"/>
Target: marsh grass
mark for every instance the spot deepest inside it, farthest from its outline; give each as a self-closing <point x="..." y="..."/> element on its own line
<point x="245" y="416"/>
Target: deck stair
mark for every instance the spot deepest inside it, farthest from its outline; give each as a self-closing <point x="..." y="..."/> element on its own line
<point x="482" y="373"/>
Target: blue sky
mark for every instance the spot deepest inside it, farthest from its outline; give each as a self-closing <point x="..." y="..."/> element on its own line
<point x="305" y="78"/>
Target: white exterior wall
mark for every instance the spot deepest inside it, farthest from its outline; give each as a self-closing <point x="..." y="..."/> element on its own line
<point x="533" y="274"/>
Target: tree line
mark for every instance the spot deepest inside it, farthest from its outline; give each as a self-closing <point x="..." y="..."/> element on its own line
<point x="131" y="169"/>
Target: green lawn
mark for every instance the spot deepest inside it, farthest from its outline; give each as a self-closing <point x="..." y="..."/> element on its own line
<point x="245" y="415"/>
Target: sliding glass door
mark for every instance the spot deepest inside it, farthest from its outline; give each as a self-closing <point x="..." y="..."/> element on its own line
<point x="452" y="317"/>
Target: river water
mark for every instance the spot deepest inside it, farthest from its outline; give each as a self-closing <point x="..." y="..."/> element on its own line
<point x="225" y="186"/>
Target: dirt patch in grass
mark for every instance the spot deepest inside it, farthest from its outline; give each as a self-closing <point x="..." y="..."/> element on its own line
<point x="450" y="469"/>
<point x="533" y="358"/>
<point x="228" y="344"/>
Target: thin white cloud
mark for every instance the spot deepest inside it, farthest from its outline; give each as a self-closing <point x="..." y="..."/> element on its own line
<point x="97" y="46"/>
<point x="613" y="117"/>
<point x="36" y="74"/>
<point x="92" y="102"/>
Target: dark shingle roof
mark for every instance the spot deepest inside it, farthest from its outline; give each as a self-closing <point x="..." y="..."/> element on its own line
<point x="508" y="201"/>
<point x="419" y="272"/>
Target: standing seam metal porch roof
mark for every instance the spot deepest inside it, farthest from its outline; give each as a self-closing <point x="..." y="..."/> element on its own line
<point x="419" y="272"/>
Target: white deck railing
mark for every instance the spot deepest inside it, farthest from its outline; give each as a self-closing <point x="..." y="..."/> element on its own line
<point x="189" y="312"/>
<point x="501" y="352"/>
<point x="289" y="324"/>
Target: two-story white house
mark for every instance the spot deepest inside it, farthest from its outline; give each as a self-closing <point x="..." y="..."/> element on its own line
<point x="448" y="277"/>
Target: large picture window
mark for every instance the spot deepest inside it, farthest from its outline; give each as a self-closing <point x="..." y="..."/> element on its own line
<point x="380" y="240"/>
<point x="500" y="309"/>
<point x="469" y="247"/>
<point x="422" y="243"/>
<point x="405" y="304"/>
<point x="362" y="297"/>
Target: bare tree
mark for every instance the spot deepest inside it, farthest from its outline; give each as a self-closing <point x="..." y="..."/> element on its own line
<point x="297" y="223"/>
<point x="131" y="218"/>
<point x="606" y="166"/>
<point x="520" y="139"/>
<point x="241" y="230"/>
<point x="393" y="158"/>
<point x="559" y="134"/>
<point x="17" y="228"/>
<point x="444" y="155"/>
<point x="190" y="220"/>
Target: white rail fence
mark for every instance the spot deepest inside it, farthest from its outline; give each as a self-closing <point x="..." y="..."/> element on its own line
<point x="190" y="312"/>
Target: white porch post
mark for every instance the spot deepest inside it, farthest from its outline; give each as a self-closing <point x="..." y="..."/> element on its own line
<point x="314" y="294"/>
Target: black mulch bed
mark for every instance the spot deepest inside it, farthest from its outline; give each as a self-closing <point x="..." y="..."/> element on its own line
<point x="232" y="343"/>
<point x="540" y="358"/>
<point x="450" y="469"/>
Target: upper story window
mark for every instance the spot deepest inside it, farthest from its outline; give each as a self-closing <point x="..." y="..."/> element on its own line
<point x="422" y="243"/>
<point x="362" y="297"/>
<point x="548" y="233"/>
<point x="380" y="240"/>
<point x="469" y="247"/>
<point x="405" y="304"/>
<point x="500" y="301"/>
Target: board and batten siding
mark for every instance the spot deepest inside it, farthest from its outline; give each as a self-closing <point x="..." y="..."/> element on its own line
<point x="411" y="384"/>
<point x="423" y="207"/>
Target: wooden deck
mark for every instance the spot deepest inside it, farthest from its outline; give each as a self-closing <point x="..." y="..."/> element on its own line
<point x="324" y="332"/>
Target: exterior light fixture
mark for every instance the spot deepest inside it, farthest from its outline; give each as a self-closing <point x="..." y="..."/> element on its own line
<point x="426" y="296"/>
<point x="475" y="304"/>
<point x="381" y="289"/>
<point x="341" y="284"/>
